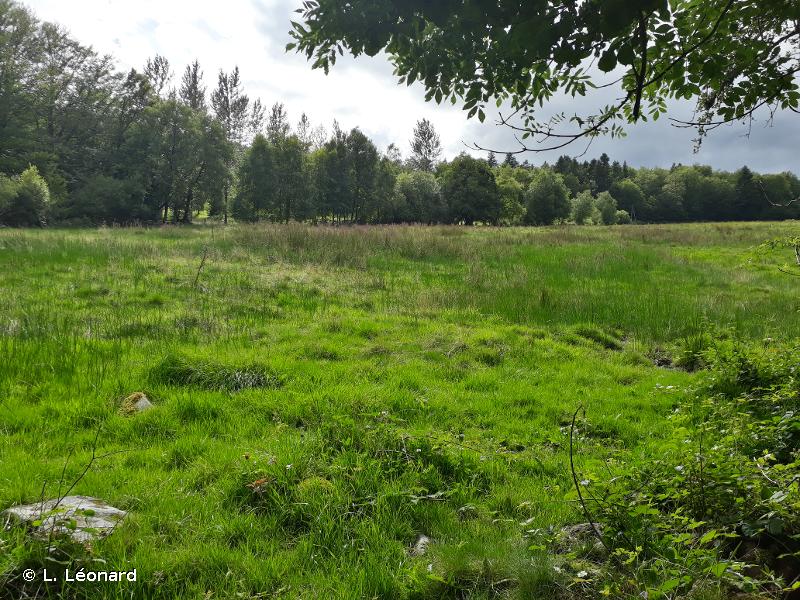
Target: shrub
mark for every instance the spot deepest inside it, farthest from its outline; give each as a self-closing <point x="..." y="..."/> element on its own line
<point x="720" y="501"/>
<point x="582" y="207"/>
<point x="24" y="201"/>
<point x="607" y="206"/>
<point x="623" y="218"/>
<point x="107" y="199"/>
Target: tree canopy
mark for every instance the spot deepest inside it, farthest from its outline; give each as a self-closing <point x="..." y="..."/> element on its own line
<point x="84" y="143"/>
<point x="731" y="56"/>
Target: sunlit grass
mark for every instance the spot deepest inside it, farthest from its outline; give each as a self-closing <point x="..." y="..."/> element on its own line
<point x="323" y="396"/>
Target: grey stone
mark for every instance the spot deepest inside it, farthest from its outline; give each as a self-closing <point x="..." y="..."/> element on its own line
<point x="135" y="403"/>
<point x="582" y="535"/>
<point x="80" y="517"/>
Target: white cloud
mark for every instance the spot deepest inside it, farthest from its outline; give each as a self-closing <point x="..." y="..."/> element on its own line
<point x="358" y="92"/>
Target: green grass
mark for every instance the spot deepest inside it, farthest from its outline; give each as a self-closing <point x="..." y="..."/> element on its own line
<point x="323" y="396"/>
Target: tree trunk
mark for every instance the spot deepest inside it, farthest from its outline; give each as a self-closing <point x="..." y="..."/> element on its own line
<point x="225" y="204"/>
<point x="187" y="208"/>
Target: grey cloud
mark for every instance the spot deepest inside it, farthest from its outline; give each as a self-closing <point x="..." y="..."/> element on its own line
<point x="273" y="22"/>
<point x="769" y="147"/>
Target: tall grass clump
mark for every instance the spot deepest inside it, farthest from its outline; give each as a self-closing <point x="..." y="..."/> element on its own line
<point x="179" y="370"/>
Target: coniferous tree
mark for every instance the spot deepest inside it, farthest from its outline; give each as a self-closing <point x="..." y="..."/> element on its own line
<point x="192" y="91"/>
<point x="230" y="105"/>
<point x="333" y="177"/>
<point x="257" y="117"/>
<point x="425" y="146"/>
<point x="158" y="73"/>
<point x="363" y="163"/>
<point x="278" y="127"/>
<point x="303" y="130"/>
<point x="748" y="200"/>
<point x="601" y="173"/>
<point x="126" y="147"/>
<point x="253" y="201"/>
<point x="288" y="177"/>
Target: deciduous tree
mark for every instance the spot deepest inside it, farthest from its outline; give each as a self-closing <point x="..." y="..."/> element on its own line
<point x="547" y="199"/>
<point x="730" y="56"/>
<point x="470" y="190"/>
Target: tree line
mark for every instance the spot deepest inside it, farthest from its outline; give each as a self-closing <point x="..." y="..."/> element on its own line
<point x="83" y="143"/>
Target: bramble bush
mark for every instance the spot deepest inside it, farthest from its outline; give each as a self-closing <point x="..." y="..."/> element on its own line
<point x="717" y="512"/>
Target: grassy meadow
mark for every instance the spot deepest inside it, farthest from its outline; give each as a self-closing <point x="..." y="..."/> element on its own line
<point x="325" y="396"/>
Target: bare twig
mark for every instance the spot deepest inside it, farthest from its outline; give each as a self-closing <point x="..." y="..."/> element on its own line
<point x="586" y="512"/>
<point x="200" y="268"/>
<point x="641" y="73"/>
<point x="779" y="205"/>
<point x="95" y="457"/>
<point x="782" y="270"/>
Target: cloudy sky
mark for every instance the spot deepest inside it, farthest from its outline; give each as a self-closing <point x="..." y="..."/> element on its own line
<point x="362" y="92"/>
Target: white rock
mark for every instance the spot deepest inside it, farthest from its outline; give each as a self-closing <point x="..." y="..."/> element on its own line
<point x="80" y="517"/>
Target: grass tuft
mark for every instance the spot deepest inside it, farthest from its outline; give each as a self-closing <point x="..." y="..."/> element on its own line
<point x="595" y="334"/>
<point x="179" y="370"/>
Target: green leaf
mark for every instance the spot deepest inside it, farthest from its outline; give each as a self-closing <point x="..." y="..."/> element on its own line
<point x="718" y="569"/>
<point x="668" y="585"/>
<point x="775" y="526"/>
<point x="608" y="61"/>
<point x="625" y="55"/>
<point x="709" y="536"/>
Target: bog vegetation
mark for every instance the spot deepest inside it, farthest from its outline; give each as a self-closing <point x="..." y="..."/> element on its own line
<point x="388" y="411"/>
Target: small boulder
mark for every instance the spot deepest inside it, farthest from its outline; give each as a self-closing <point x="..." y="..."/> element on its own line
<point x="581" y="536"/>
<point x="82" y="518"/>
<point x="468" y="512"/>
<point x="135" y="403"/>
